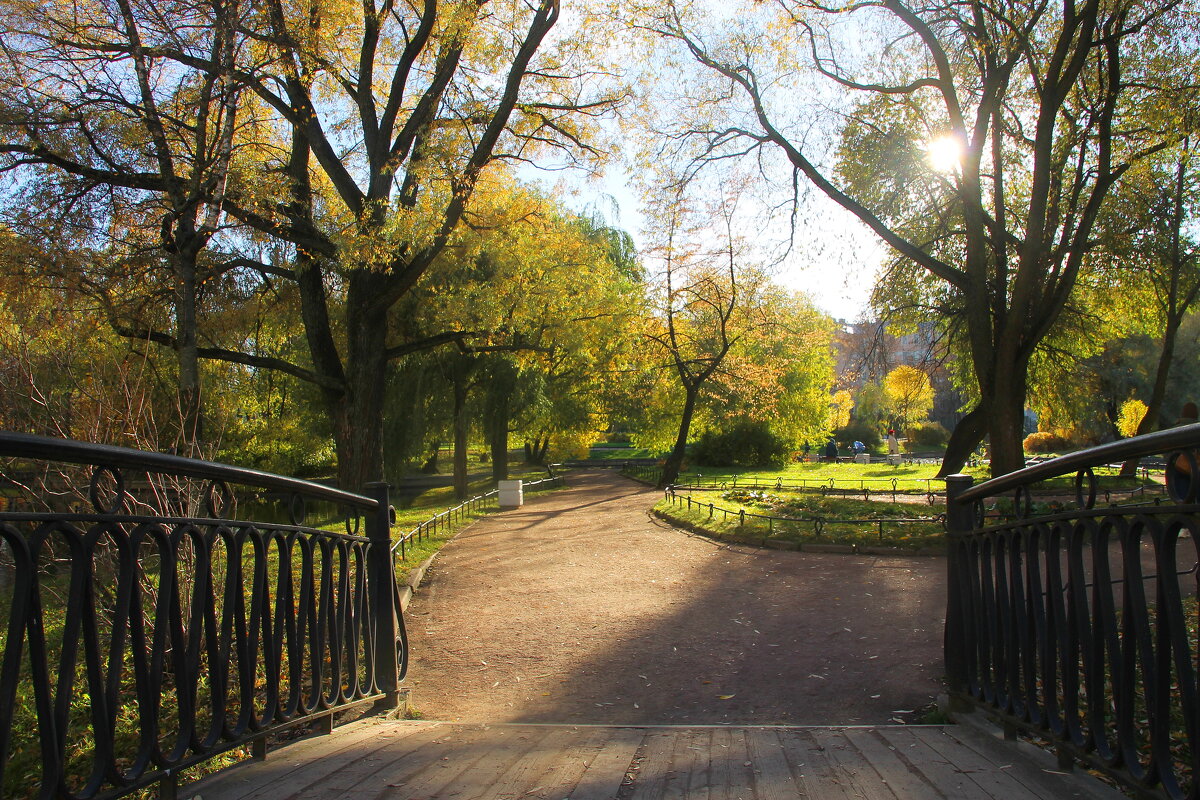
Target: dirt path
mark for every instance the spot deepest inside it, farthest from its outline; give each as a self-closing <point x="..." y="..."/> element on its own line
<point x="581" y="607"/>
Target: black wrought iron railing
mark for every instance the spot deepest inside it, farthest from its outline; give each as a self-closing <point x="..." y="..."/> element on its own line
<point x="1080" y="624"/>
<point x="147" y="627"/>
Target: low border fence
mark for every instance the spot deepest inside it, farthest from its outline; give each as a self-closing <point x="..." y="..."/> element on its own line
<point x="818" y="522"/>
<point x="148" y="634"/>
<point x="876" y="487"/>
<point x="648" y="473"/>
<point x="443" y="521"/>
<point x="1080" y="626"/>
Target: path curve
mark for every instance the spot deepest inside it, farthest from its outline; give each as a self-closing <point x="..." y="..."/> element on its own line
<point x="581" y="607"/>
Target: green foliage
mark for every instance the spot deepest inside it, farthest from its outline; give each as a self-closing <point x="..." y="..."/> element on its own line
<point x="927" y="435"/>
<point x="857" y="431"/>
<point x="746" y="443"/>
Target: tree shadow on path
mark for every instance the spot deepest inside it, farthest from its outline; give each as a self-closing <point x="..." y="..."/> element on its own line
<point x="579" y="608"/>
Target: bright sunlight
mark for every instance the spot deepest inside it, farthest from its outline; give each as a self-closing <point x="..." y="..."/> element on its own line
<point x="945" y="153"/>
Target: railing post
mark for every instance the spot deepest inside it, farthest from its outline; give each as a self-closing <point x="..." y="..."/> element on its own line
<point x="383" y="593"/>
<point x="959" y="524"/>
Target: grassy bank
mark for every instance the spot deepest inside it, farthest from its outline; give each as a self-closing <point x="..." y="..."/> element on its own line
<point x="794" y="520"/>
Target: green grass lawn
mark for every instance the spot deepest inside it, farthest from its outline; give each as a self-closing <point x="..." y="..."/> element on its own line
<point x="876" y="477"/>
<point x="812" y="519"/>
<point x="910" y="477"/>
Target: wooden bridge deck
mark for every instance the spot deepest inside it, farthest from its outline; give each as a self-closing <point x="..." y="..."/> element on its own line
<point x="425" y="760"/>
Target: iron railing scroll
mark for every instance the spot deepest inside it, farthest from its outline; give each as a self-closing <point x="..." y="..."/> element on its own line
<point x="159" y="627"/>
<point x="1077" y="622"/>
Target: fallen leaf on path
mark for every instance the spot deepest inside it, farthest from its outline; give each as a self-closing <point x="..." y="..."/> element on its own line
<point x="725" y="697"/>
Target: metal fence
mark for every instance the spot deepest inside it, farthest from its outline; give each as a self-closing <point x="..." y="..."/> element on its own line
<point x="444" y="521"/>
<point x="819" y="526"/>
<point x="876" y="488"/>
<point x="649" y="473"/>
<point x="1081" y="625"/>
<point x="148" y="628"/>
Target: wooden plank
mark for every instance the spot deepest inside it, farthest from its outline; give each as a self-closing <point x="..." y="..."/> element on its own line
<point x="302" y="762"/>
<point x="902" y="777"/>
<point x="854" y="767"/>
<point x="936" y="768"/>
<point x="1042" y="776"/>
<point x="656" y="765"/>
<point x="458" y="754"/>
<point x="729" y="777"/>
<point x="690" y="780"/>
<point x="509" y="774"/>
<point x="604" y="775"/>
<point x="773" y="778"/>
<point x="377" y="769"/>
<point x="821" y="779"/>
<point x="562" y="775"/>
<point x="984" y="772"/>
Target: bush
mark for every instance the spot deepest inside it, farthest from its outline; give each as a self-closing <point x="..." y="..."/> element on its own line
<point x="744" y="444"/>
<point x="1045" y="442"/>
<point x="927" y="435"/>
<point x="863" y="432"/>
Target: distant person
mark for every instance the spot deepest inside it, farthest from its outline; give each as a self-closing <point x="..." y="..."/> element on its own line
<point x="858" y="447"/>
<point x="831" y="451"/>
<point x="806" y="450"/>
<point x="1188" y="414"/>
<point x="893" y="443"/>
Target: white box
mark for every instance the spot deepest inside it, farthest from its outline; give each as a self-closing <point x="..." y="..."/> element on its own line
<point x="512" y="495"/>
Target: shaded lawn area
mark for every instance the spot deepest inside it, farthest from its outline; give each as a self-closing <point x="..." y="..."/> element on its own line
<point x="621" y="453"/>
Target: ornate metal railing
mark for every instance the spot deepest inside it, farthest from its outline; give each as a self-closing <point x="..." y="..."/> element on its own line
<point x="1081" y="626"/>
<point x="156" y="629"/>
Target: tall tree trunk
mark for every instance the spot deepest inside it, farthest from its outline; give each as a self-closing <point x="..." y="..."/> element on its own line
<point x="461" y="430"/>
<point x="1158" y="394"/>
<point x="498" y="430"/>
<point x="191" y="425"/>
<point x="965" y="437"/>
<point x="501" y="383"/>
<point x="358" y="412"/>
<point x="675" y="460"/>
<point x="1006" y="426"/>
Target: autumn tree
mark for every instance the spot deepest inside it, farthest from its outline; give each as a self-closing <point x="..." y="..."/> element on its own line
<point x="117" y="143"/>
<point x="545" y="303"/>
<point x="722" y="337"/>
<point x="910" y="395"/>
<point x="393" y="113"/>
<point x="978" y="142"/>
<point x="1152" y="262"/>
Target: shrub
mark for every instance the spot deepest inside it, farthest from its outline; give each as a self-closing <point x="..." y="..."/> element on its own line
<point x="744" y="444"/>
<point x="1045" y="442"/>
<point x="863" y="432"/>
<point x="928" y="435"/>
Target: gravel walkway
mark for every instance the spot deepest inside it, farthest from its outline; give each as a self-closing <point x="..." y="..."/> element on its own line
<point x="580" y="607"/>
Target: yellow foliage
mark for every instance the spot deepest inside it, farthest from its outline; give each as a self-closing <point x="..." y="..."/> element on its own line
<point x="1130" y="416"/>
